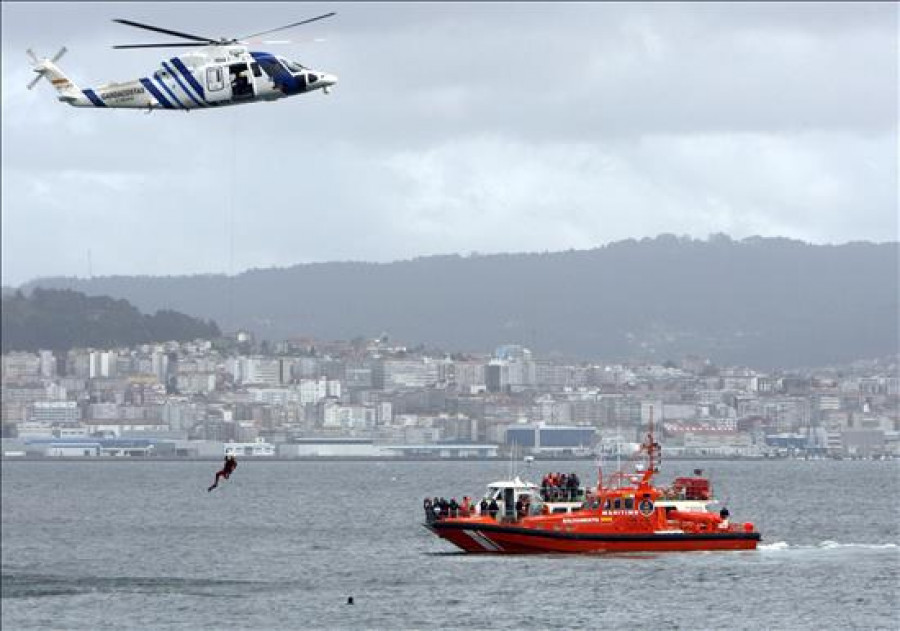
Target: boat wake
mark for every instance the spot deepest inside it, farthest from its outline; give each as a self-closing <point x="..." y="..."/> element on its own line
<point x="825" y="545"/>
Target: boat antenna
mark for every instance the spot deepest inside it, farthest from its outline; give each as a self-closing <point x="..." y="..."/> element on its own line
<point x="618" y="446"/>
<point x="600" y="455"/>
<point x="652" y="448"/>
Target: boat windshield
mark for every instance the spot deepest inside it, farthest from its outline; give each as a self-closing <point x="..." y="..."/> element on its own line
<point x="494" y="493"/>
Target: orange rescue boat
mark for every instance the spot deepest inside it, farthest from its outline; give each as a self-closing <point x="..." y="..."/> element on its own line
<point x="626" y="513"/>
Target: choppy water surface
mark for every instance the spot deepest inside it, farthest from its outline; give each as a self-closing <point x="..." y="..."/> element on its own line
<point x="115" y="545"/>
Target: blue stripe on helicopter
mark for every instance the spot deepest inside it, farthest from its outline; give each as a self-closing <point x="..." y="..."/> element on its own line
<point x="94" y="98"/>
<point x="188" y="75"/>
<point x="283" y="80"/>
<point x="168" y="69"/>
<point x="168" y="90"/>
<point x="156" y="94"/>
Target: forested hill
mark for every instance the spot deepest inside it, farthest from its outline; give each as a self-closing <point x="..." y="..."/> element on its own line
<point x="760" y="301"/>
<point x="63" y="319"/>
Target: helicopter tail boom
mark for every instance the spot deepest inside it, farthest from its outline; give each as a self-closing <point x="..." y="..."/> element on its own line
<point x="66" y="89"/>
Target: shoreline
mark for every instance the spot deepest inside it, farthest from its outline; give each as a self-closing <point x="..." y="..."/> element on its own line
<point x="131" y="459"/>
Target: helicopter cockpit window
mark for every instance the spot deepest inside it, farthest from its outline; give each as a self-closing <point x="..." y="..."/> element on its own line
<point x="293" y="66"/>
<point x="271" y="67"/>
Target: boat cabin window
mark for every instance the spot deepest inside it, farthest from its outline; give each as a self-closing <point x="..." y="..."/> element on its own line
<point x="629" y="503"/>
<point x="560" y="509"/>
<point x="256" y="71"/>
<point x="617" y="503"/>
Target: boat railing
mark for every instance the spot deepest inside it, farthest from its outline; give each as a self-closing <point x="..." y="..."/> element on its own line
<point x="533" y="509"/>
<point x="556" y="494"/>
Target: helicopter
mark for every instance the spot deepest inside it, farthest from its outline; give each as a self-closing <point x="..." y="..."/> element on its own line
<point x="222" y="72"/>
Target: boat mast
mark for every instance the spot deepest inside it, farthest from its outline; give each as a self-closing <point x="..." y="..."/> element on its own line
<point x="652" y="448"/>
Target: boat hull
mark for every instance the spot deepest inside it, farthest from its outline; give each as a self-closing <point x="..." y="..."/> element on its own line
<point x="484" y="538"/>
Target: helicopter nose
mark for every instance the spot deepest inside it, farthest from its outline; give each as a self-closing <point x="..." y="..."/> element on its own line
<point x="329" y="79"/>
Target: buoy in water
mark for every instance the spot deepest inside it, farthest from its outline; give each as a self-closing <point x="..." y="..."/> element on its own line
<point x="349" y="600"/>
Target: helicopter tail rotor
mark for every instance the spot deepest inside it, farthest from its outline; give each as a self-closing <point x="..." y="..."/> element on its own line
<point x="58" y="56"/>
<point x="42" y="67"/>
<point x="48" y="68"/>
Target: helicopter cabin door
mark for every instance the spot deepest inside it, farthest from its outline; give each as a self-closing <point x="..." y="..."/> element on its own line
<point x="218" y="86"/>
<point x="241" y="82"/>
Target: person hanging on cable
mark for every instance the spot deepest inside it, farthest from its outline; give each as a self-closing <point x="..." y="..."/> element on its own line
<point x="225" y="472"/>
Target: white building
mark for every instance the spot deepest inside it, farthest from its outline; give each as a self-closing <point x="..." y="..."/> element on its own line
<point x="102" y="364"/>
<point x="262" y="370"/>
<point x="20" y="365"/>
<point x="196" y="382"/>
<point x="331" y="448"/>
<point x="257" y="448"/>
<point x="468" y="374"/>
<point x="117" y="427"/>
<point x="335" y="415"/>
<point x="47" y="364"/>
<point x="54" y="412"/>
<point x="405" y="373"/>
<point x="315" y="390"/>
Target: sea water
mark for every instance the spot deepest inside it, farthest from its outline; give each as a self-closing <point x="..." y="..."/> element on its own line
<point x="283" y="545"/>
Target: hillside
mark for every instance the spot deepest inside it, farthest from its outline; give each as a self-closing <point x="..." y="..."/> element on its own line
<point x="759" y="301"/>
<point x="63" y="319"/>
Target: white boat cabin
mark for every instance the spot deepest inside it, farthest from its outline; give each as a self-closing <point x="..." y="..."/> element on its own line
<point x="507" y="493"/>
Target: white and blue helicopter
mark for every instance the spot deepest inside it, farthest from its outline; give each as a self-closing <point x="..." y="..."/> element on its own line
<point x="222" y="72"/>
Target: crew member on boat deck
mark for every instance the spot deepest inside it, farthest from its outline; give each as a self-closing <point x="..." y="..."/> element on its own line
<point x="454" y="508"/>
<point x="464" y="509"/>
<point x="483" y="507"/>
<point x="520" y="509"/>
<point x="724" y="514"/>
<point x="573" y="484"/>
<point x="493" y="509"/>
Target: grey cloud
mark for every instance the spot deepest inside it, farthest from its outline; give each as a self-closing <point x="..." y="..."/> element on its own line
<point x="456" y="127"/>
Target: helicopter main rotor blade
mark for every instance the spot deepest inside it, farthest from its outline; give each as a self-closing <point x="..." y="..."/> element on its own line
<point x="275" y="42"/>
<point x="281" y="28"/>
<point x="157" y="29"/>
<point x="175" y="45"/>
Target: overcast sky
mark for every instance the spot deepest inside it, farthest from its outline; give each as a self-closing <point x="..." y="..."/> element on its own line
<point x="455" y="128"/>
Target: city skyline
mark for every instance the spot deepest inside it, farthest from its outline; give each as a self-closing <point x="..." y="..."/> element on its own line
<point x="307" y="398"/>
